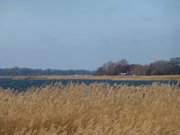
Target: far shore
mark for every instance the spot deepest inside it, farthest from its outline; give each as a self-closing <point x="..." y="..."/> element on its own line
<point x="93" y="77"/>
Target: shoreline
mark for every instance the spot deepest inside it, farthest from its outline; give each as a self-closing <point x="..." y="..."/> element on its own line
<point x="93" y="77"/>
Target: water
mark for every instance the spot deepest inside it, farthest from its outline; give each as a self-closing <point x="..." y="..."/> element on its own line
<point x="24" y="84"/>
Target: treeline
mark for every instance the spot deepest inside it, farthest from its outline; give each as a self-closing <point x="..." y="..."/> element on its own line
<point x="122" y="67"/>
<point x="37" y="72"/>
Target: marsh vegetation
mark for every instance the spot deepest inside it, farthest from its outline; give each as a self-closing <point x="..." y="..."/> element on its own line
<point x="96" y="109"/>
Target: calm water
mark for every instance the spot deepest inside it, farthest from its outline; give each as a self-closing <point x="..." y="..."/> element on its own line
<point x="24" y="84"/>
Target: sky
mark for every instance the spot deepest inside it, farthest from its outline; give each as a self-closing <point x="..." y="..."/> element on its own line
<point x="84" y="34"/>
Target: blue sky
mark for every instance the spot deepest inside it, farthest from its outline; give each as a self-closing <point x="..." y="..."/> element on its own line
<point x="83" y="34"/>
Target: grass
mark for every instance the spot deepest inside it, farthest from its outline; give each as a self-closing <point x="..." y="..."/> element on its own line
<point x="95" y="109"/>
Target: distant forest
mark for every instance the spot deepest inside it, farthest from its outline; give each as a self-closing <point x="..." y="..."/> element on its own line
<point x="16" y="71"/>
<point x="122" y="67"/>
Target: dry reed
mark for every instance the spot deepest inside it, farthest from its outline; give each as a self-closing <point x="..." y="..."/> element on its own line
<point x="95" y="109"/>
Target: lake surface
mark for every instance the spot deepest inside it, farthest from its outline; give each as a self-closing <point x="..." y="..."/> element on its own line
<point x="24" y="84"/>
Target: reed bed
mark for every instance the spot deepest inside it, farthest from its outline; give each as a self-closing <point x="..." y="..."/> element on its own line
<point x="96" y="109"/>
